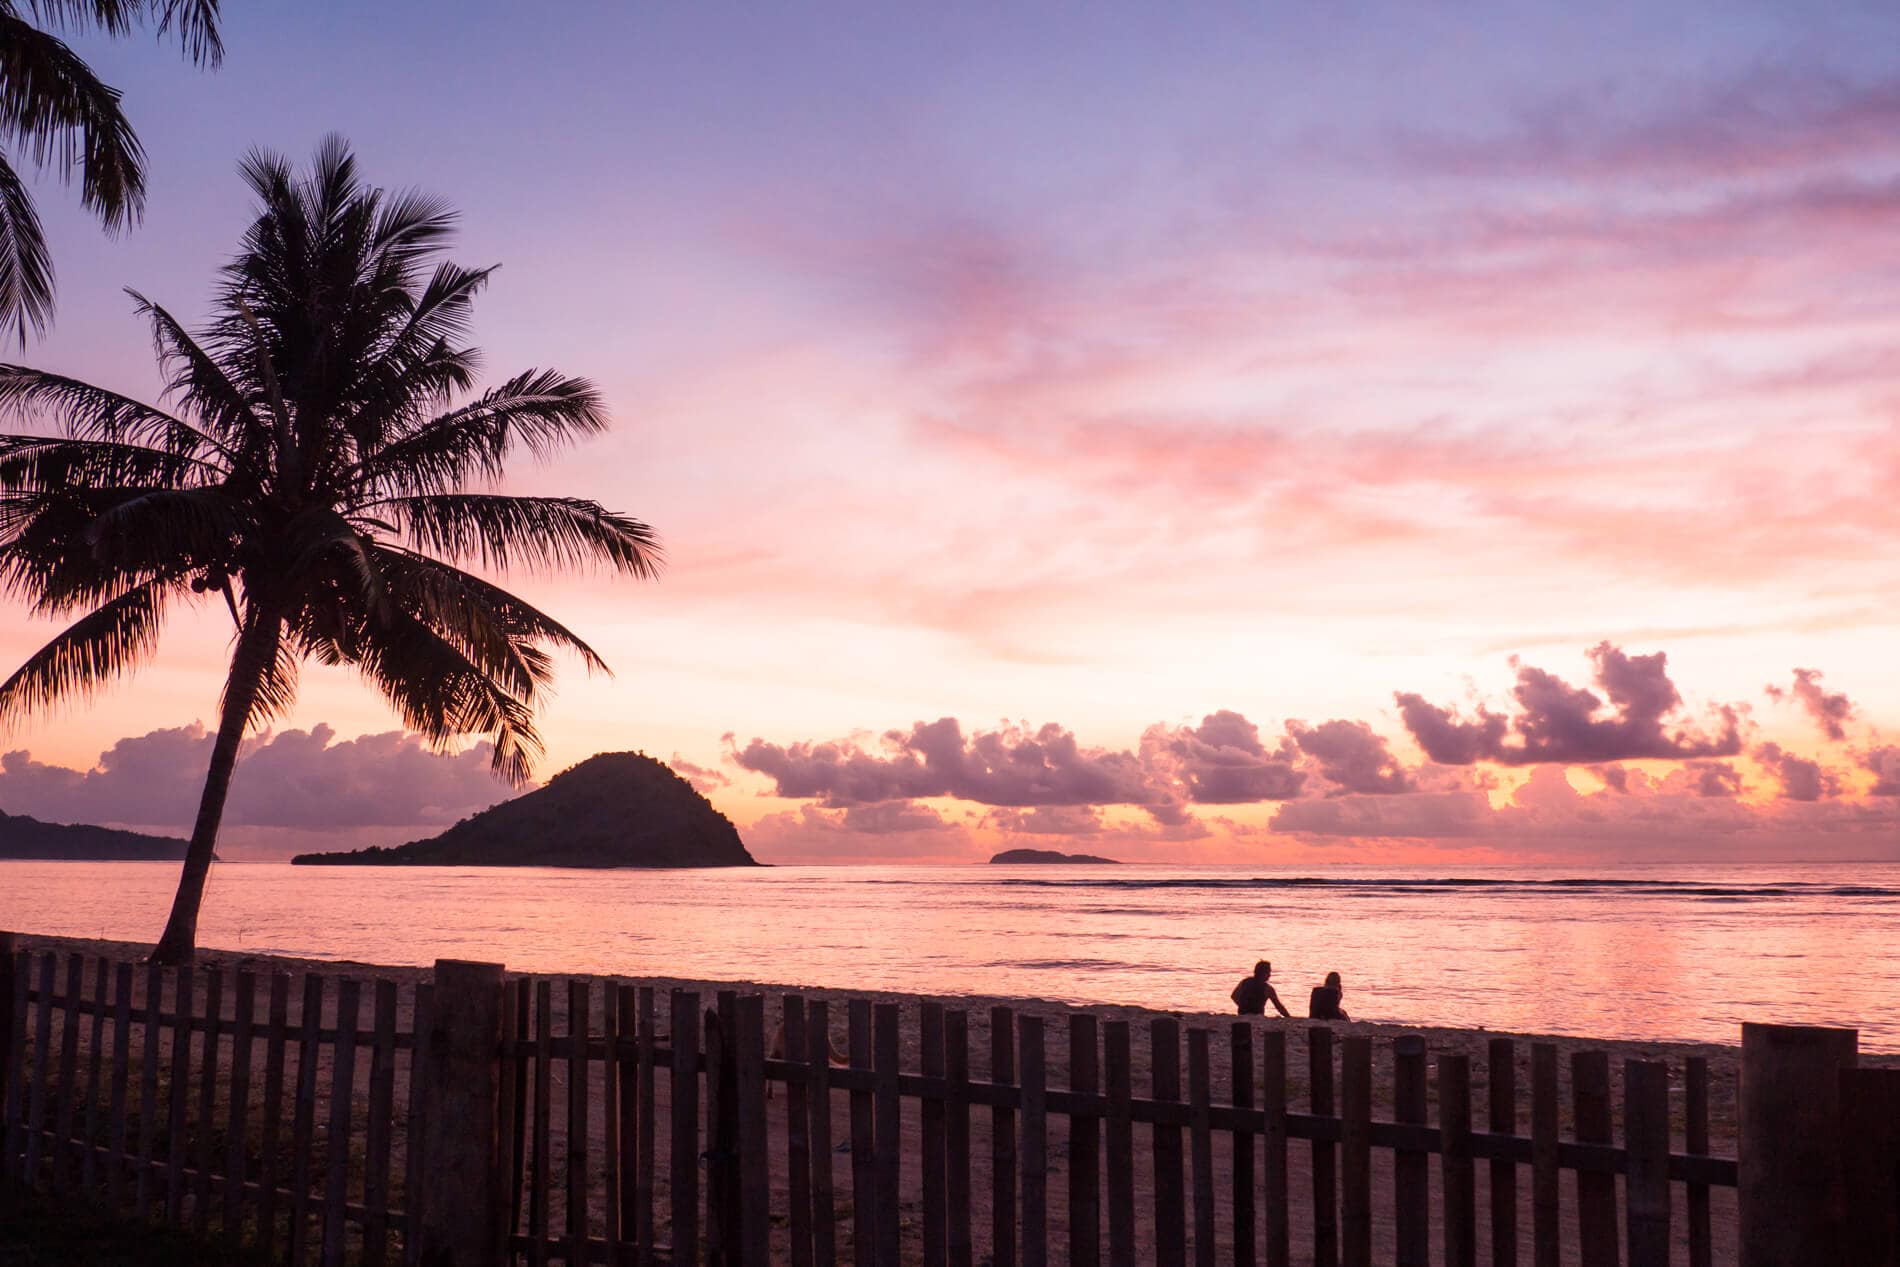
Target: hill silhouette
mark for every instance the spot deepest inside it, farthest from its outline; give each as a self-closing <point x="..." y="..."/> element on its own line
<point x="1011" y="857"/>
<point x="22" y="837"/>
<point x="617" y="809"/>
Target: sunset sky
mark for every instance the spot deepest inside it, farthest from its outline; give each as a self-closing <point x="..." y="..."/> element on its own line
<point x="1201" y="433"/>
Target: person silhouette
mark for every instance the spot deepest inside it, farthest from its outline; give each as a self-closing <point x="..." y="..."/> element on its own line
<point x="1253" y="993"/>
<point x="1324" y="1005"/>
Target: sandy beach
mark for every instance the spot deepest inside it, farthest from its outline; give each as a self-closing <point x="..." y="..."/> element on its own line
<point x="1474" y="1043"/>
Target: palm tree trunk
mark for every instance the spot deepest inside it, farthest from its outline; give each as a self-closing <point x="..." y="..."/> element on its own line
<point x="255" y="650"/>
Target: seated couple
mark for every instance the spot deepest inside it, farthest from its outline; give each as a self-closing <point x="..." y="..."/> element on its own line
<point x="1253" y="994"/>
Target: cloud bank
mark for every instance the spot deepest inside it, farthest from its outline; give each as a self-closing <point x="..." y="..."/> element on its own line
<point x="304" y="780"/>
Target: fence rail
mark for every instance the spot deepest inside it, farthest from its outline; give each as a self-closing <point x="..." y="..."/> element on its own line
<point x="330" y="1119"/>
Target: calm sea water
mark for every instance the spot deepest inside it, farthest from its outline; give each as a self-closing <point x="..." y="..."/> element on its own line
<point x="1652" y="952"/>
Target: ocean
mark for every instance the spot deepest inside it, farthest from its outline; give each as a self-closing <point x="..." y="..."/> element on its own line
<point x="1663" y="951"/>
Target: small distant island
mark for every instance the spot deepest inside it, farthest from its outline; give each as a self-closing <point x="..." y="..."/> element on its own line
<point x="617" y="809"/>
<point x="1010" y="857"/>
<point x="29" y="839"/>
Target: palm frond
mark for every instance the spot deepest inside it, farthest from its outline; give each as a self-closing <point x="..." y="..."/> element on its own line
<point x="540" y="410"/>
<point x="52" y="103"/>
<point x="436" y="591"/>
<point x="442" y="694"/>
<point x="196" y="379"/>
<point x="195" y="22"/>
<point x="106" y="643"/>
<point x="506" y="532"/>
<point x="44" y="462"/>
<point x="26" y="267"/>
<point x="86" y="412"/>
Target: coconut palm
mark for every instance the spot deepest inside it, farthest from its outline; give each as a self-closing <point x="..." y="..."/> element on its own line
<point x="325" y="471"/>
<point x="55" y="110"/>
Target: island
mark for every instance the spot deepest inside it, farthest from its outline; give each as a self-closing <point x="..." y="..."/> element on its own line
<point x="29" y="839"/>
<point x="1010" y="857"/>
<point x="617" y="809"/>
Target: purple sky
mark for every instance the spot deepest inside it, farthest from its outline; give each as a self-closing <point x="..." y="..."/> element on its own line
<point x="1116" y="367"/>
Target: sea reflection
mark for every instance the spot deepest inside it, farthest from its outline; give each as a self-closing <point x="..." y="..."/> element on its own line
<point x="1653" y="952"/>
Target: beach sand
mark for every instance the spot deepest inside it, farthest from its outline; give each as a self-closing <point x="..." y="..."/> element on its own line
<point x="1474" y="1043"/>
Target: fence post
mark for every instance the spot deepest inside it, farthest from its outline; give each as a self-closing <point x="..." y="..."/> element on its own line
<point x="1792" y="1195"/>
<point x="6" y="1031"/>
<point x="461" y="1082"/>
<point x="1870" y="1113"/>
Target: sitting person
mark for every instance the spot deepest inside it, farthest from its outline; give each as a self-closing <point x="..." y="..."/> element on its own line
<point x="1253" y="993"/>
<point x="1324" y="1005"/>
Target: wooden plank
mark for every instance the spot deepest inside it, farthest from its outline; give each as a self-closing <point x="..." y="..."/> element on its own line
<point x="579" y="1026"/>
<point x="542" y="1166"/>
<point x="19" y="970"/>
<point x="1319" y="1058"/>
<point x="121" y="1080"/>
<point x="42" y="1069"/>
<point x="684" y="1108"/>
<point x="184" y="1003"/>
<point x="957" y="1193"/>
<point x="611" y="1156"/>
<point x="930" y="1064"/>
<point x="1870" y="1168"/>
<point x="422" y="1023"/>
<point x="797" y="1128"/>
<point x="1695" y="1077"/>
<point x="379" y="1128"/>
<point x="63" y="1120"/>
<point x="276" y="1029"/>
<point x="824" y="1217"/>
<point x="1034" y="1151"/>
<point x="1411" y="1174"/>
<point x="649" y="1142"/>
<point x="754" y="1171"/>
<point x="209" y="1067"/>
<point x="95" y="1076"/>
<point x="1501" y="1089"/>
<point x="626" y="1196"/>
<point x="1240" y="1165"/>
<point x="304" y="1116"/>
<point x="1646" y="1139"/>
<point x="1459" y="1173"/>
<point x="721" y="1137"/>
<point x="1119" y="1139"/>
<point x="1201" y="1146"/>
<point x="1164" y="1069"/>
<point x="510" y="1072"/>
<point x="1355" y="1151"/>
<point x="1085" y="1134"/>
<point x="1002" y="1141"/>
<point x="523" y="995"/>
<point x="863" y="1138"/>
<point x="1596" y="1192"/>
<point x="1546" y="1234"/>
<point x="1276" y="1208"/>
<point x="349" y="993"/>
<point x="890" y="1147"/>
<point x="9" y="1062"/>
<point x="145" y="1191"/>
<point x="237" y="1116"/>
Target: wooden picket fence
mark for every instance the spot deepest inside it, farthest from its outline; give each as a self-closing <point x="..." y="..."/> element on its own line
<point x="263" y="1113"/>
<point x="585" y="1121"/>
<point x="950" y="1170"/>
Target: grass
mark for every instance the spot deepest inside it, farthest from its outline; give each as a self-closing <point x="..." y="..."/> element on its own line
<point x="35" y="1232"/>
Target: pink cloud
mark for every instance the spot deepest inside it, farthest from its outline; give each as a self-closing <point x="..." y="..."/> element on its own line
<point x="1558" y="722"/>
<point x="1831" y="710"/>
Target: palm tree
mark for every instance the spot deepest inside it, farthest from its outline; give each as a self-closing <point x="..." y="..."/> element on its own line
<point x="324" y="469"/>
<point x="55" y="109"/>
